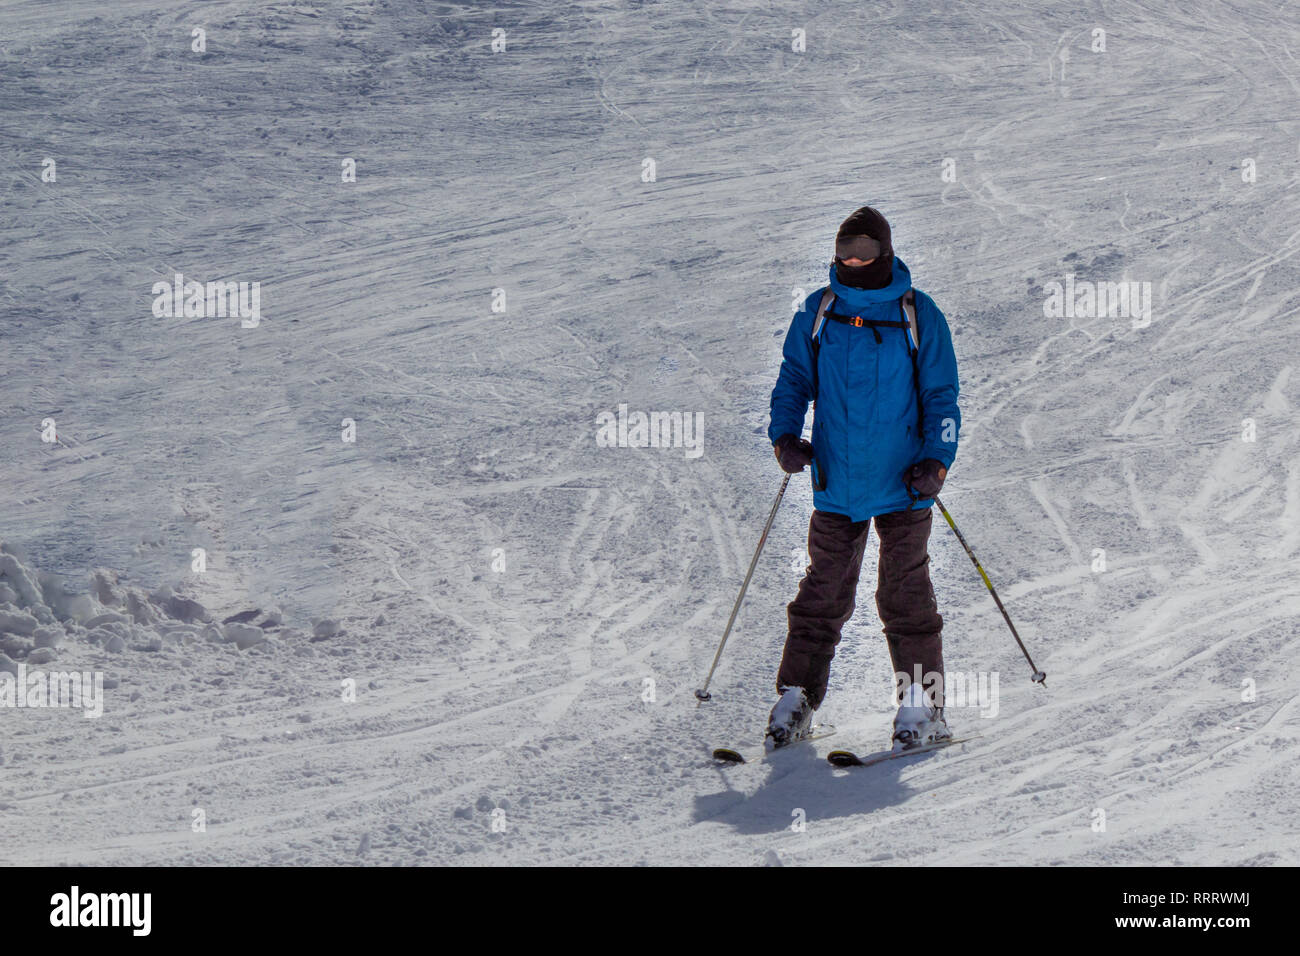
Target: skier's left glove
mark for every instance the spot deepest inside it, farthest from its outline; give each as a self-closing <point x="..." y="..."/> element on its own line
<point x="925" y="478"/>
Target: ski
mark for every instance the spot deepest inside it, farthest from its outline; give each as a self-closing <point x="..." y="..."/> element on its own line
<point x="730" y="755"/>
<point x="846" y="758"/>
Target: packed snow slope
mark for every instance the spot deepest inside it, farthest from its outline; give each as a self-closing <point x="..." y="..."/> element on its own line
<point x="496" y="588"/>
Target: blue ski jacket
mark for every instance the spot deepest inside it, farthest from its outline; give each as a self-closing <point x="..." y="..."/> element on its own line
<point x="865" y="428"/>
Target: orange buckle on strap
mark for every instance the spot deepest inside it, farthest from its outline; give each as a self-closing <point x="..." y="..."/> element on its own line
<point x="857" y="321"/>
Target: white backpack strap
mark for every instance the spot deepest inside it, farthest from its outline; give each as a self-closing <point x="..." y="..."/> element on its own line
<point x="909" y="309"/>
<point x="827" y="297"/>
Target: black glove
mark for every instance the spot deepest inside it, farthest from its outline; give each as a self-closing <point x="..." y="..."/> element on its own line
<point x="793" y="453"/>
<point x="925" y="479"/>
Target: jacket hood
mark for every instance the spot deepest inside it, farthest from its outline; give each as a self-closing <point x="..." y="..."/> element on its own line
<point x="855" y="299"/>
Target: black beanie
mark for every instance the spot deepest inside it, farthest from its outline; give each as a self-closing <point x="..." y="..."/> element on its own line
<point x="867" y="222"/>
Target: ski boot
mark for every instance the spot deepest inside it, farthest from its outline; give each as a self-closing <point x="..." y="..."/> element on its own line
<point x="918" y="722"/>
<point x="791" y="718"/>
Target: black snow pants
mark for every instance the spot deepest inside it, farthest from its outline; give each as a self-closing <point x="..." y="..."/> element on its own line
<point x="826" y="599"/>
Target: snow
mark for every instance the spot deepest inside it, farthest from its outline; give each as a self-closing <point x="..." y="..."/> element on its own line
<point x="477" y="630"/>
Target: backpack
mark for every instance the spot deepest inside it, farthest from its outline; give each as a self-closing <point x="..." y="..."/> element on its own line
<point x="906" y="309"/>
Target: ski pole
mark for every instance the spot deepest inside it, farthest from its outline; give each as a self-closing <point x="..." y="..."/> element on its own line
<point x="1039" y="677"/>
<point x="703" y="693"/>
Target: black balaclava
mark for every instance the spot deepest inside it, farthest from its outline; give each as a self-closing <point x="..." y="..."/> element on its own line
<point x="876" y="275"/>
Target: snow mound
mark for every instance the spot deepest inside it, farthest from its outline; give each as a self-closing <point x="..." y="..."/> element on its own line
<point x="41" y="613"/>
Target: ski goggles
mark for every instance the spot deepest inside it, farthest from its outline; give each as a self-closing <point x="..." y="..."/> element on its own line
<point x="857" y="247"/>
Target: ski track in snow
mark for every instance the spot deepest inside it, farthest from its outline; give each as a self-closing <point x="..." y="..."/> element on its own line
<point x="522" y="689"/>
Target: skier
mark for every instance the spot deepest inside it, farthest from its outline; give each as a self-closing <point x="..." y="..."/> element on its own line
<point x="884" y="435"/>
